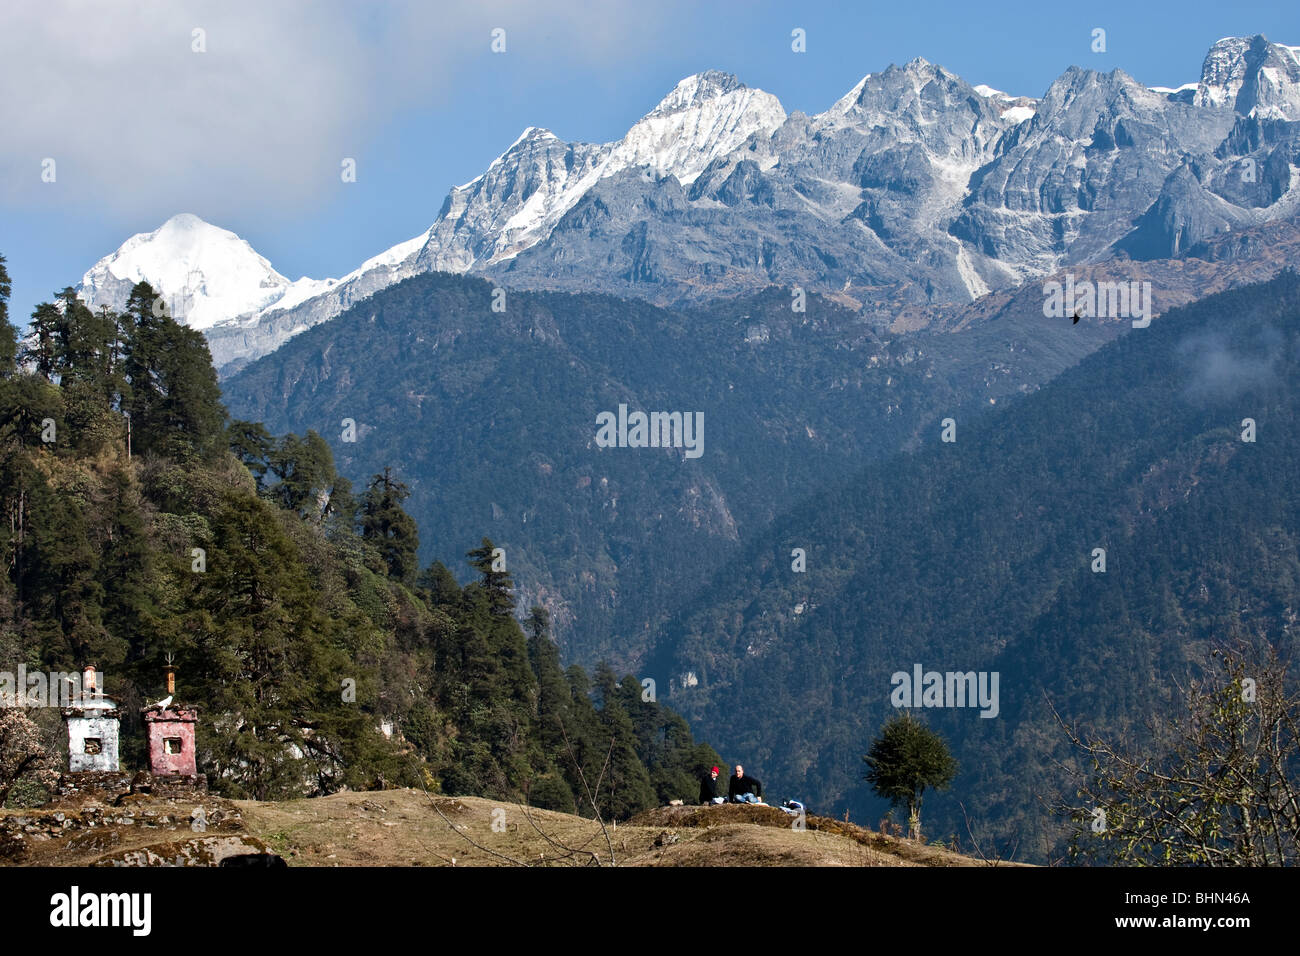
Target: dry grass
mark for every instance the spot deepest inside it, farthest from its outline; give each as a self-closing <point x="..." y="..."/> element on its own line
<point x="402" y="828"/>
<point x="411" y="828"/>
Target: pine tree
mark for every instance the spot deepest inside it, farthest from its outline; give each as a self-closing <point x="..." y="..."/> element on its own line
<point x="253" y="445"/>
<point x="129" y="562"/>
<point x="387" y="526"/>
<point x="440" y="584"/>
<point x="173" y="396"/>
<point x="341" y="508"/>
<point x="554" y="698"/>
<point x="628" y="789"/>
<point x="538" y="623"/>
<point x="584" y="750"/>
<point x="142" y="331"/>
<point x="263" y="657"/>
<point x="497" y="585"/>
<point x="26" y="403"/>
<point x="41" y="346"/>
<point x="63" y="580"/>
<point x="8" y="334"/>
<point x="305" y="469"/>
<point x="905" y="760"/>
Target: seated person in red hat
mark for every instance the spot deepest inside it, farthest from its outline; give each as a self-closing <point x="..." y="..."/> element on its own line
<point x="709" y="787"/>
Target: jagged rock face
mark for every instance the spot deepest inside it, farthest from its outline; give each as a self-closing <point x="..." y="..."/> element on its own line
<point x="1250" y="175"/>
<point x="1184" y="213"/>
<point x="1252" y="77"/>
<point x="914" y="190"/>
<point x="1070" y="182"/>
<point x="505" y="207"/>
<point x="849" y="202"/>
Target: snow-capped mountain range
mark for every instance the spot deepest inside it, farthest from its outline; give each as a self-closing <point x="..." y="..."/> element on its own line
<point x="914" y="189"/>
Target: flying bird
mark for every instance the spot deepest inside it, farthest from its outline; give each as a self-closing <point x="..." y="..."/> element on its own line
<point x="1076" y="317"/>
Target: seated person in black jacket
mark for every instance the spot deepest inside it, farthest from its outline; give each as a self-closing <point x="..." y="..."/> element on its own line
<point x="742" y="789"/>
<point x="709" y="787"/>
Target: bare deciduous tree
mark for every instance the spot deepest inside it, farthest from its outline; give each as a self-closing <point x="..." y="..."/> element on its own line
<point x="1218" y="785"/>
<point x="24" y="753"/>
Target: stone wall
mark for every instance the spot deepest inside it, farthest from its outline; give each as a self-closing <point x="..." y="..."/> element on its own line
<point x="170" y="785"/>
<point x="21" y="829"/>
<point x="108" y="785"/>
<point x="112" y="787"/>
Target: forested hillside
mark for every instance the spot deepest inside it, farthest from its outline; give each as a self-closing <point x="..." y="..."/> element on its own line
<point x="144" y="525"/>
<point x="979" y="555"/>
<point x="490" y="416"/>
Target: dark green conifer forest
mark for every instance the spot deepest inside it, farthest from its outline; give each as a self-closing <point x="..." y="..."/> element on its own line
<point x="145" y="525"/>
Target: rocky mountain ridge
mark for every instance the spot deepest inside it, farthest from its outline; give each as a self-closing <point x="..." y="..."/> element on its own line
<point x="914" y="191"/>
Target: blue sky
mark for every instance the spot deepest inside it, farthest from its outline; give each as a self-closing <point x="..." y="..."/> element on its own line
<point x="249" y="133"/>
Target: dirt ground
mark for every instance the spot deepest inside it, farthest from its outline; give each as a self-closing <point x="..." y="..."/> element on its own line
<point x="413" y="828"/>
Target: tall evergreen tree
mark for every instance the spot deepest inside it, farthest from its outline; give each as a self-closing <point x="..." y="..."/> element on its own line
<point x="554" y="696"/>
<point x="26" y="403"/>
<point x="129" y="562"/>
<point x="41" y="347"/>
<point x="253" y="445"/>
<point x="266" y="655"/>
<point x="64" y="582"/>
<point x="341" y="509"/>
<point x="626" y="787"/>
<point x="386" y="525"/>
<point x="8" y="334"/>
<point x="174" y="399"/>
<point x="441" y="586"/>
<point x="496" y="582"/>
<point x="305" y="469"/>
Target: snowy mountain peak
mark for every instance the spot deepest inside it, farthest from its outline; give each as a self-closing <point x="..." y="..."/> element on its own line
<point x="188" y="222"/>
<point x="208" y="276"/>
<point x="527" y="189"/>
<point x="1252" y="76"/>
<point x="1223" y="72"/>
<point x="698" y="89"/>
<point x="705" y="116"/>
<point x="528" y="139"/>
<point x="187" y="232"/>
<point x="532" y="134"/>
<point x="846" y="102"/>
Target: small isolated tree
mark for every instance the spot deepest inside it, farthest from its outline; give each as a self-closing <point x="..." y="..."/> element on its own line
<point x="907" y="758"/>
<point x="1217" y="784"/>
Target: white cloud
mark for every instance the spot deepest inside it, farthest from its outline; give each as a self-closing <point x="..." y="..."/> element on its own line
<point x="137" y="121"/>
